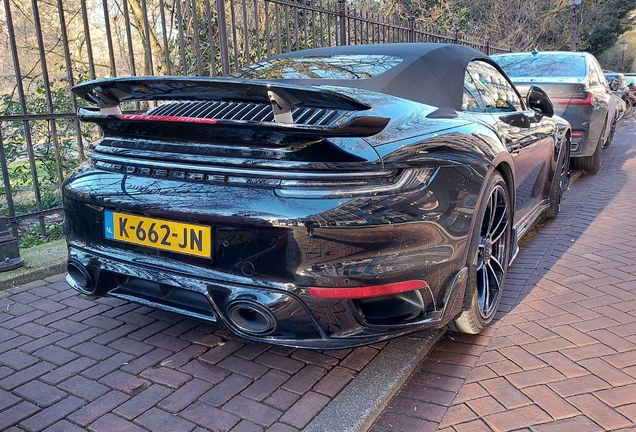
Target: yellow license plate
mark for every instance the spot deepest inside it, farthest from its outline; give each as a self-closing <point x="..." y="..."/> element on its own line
<point x="190" y="239"/>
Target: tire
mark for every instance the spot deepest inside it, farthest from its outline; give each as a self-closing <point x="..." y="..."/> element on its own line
<point x="610" y="137"/>
<point x="560" y="182"/>
<point x="590" y="163"/>
<point x="488" y="256"/>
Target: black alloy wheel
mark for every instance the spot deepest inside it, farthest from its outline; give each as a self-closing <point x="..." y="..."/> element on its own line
<point x="492" y="253"/>
<point x="488" y="257"/>
<point x="560" y="182"/>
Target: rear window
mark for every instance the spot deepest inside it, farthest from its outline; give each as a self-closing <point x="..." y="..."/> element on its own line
<point x="323" y="67"/>
<point x="542" y="65"/>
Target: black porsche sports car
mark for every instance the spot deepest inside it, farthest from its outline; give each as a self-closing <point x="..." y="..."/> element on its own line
<point x="325" y="198"/>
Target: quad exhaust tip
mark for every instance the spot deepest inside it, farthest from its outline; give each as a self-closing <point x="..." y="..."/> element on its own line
<point x="80" y="275"/>
<point x="251" y="318"/>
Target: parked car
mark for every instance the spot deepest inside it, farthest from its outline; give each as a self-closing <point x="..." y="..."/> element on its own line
<point x="631" y="81"/>
<point x="325" y="198"/>
<point x="579" y="92"/>
<point x="617" y="82"/>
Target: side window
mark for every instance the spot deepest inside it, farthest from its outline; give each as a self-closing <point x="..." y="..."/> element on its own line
<point x="594" y="77"/>
<point x="471" y="99"/>
<point x="495" y="90"/>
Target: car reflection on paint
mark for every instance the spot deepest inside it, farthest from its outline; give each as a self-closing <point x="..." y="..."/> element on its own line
<point x="325" y="198"/>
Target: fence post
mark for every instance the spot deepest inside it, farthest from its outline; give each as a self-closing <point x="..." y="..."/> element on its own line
<point x="9" y="253"/>
<point x="411" y="28"/>
<point x="225" y="56"/>
<point x="342" y="12"/>
<point x="487" y="45"/>
<point x="456" y="38"/>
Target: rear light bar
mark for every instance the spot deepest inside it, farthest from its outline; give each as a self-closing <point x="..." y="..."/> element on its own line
<point x="586" y="98"/>
<point x="366" y="291"/>
<point x="176" y="119"/>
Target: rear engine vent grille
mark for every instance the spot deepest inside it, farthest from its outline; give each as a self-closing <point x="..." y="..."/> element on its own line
<point x="245" y="111"/>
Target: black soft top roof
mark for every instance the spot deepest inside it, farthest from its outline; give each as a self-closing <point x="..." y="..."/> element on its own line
<point x="432" y="74"/>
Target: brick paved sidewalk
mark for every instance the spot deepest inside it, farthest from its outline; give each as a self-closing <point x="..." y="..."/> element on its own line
<point x="562" y="355"/>
<point x="68" y="363"/>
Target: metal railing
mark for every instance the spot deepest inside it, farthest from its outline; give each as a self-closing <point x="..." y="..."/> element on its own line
<point x="50" y="46"/>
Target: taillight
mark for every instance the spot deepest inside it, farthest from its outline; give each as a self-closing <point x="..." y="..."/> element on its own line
<point x="366" y="291"/>
<point x="585" y="98"/>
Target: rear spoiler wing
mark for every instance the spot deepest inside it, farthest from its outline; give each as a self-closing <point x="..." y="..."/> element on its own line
<point x="109" y="93"/>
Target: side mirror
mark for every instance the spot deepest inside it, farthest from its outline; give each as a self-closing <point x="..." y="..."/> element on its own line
<point x="615" y="84"/>
<point x="539" y="101"/>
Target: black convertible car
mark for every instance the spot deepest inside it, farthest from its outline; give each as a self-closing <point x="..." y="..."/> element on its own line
<point x="325" y="198"/>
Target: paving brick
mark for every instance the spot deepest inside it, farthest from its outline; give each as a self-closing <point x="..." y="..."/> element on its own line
<point x="578" y="424"/>
<point x="422" y="393"/>
<point x="618" y="396"/>
<point x="167" y="342"/>
<point x="84" y="388"/>
<point x="243" y="367"/>
<point x="61" y="373"/>
<point x="17" y="413"/>
<point x="505" y="393"/>
<point x="563" y="364"/>
<point x="359" y="358"/>
<point x="580" y="385"/>
<point x="253" y="411"/>
<point x="334" y="381"/>
<point x="621" y="360"/>
<point x="130" y="346"/>
<point x="282" y="399"/>
<point x="79" y="338"/>
<point x="315" y="358"/>
<point x="225" y="390"/>
<point x="103" y="322"/>
<point x="280" y="427"/>
<point x="550" y="402"/>
<point x="52" y="414"/>
<point x="125" y="382"/>
<point x="606" y="372"/>
<point x="8" y="399"/>
<point x="142" y="402"/>
<point x="150" y="359"/>
<point x="246" y="426"/>
<point x="56" y="355"/>
<point x="184" y="356"/>
<point x="90" y="313"/>
<point x="485" y="406"/>
<point x="94" y="351"/>
<point x="303" y="411"/>
<point x="165" y="376"/>
<point x="42" y="342"/>
<point x="186" y="395"/>
<point x="205" y="371"/>
<point x="432" y="380"/>
<point x="99" y="407"/>
<point x="17" y="359"/>
<point x="18" y="378"/>
<point x="41" y="394"/>
<point x="601" y="413"/>
<point x="280" y="362"/>
<point x="252" y="350"/>
<point x="220" y="352"/>
<point x="304" y="379"/>
<point x="399" y="422"/>
<point x="112" y="335"/>
<point x="457" y="414"/>
<point x="265" y="385"/>
<point x="64" y="426"/>
<point x="112" y="423"/>
<point x="517" y="418"/>
<point x="156" y="420"/>
<point x="534" y="377"/>
<point x="209" y="417"/>
<point x="55" y="316"/>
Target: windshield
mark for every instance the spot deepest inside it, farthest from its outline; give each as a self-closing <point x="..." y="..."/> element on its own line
<point x="322" y="67"/>
<point x="542" y="65"/>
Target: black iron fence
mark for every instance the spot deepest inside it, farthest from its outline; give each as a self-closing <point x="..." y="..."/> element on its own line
<point x="47" y="47"/>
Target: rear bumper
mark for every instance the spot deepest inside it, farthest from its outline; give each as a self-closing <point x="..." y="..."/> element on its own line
<point x="276" y="313"/>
